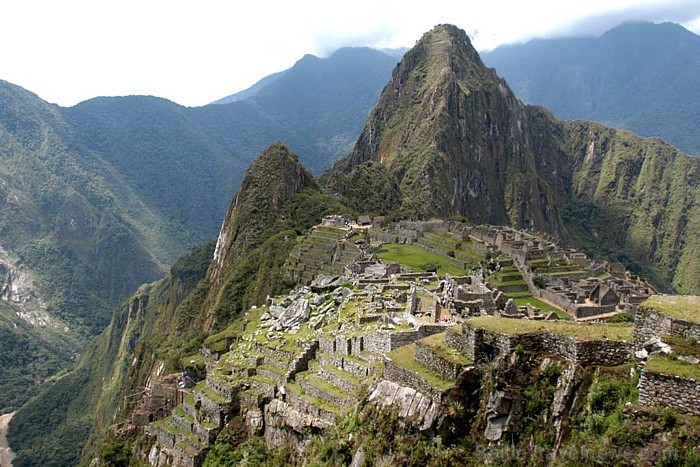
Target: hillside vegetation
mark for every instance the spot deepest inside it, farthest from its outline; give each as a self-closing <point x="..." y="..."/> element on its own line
<point x="642" y="77"/>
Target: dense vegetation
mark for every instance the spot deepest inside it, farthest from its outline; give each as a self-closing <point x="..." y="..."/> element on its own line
<point x="639" y="76"/>
<point x="102" y="228"/>
<point x="53" y="428"/>
<point x="101" y="197"/>
<point x="28" y="356"/>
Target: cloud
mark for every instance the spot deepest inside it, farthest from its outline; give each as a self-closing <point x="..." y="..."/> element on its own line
<point x="683" y="11"/>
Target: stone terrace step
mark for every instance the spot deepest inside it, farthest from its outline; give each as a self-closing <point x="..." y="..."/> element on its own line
<point x="169" y="434"/>
<point x="271" y="372"/>
<point x="336" y="377"/>
<point x="306" y="403"/>
<point x="205" y="431"/>
<point x="355" y="366"/>
<point x="264" y="385"/>
<point x="321" y="389"/>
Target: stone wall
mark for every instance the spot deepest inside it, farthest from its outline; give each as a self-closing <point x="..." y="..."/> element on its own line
<point x="226" y="391"/>
<point x="458" y="341"/>
<point x="483" y="345"/>
<point x="650" y="324"/>
<point x="329" y="397"/>
<point x="378" y="343"/>
<point x="592" y="310"/>
<point x="301" y="362"/>
<point x="407" y="378"/>
<point x="428" y="358"/>
<point x="558" y="299"/>
<point x="326" y="344"/>
<point x="679" y="393"/>
<point x="302" y="405"/>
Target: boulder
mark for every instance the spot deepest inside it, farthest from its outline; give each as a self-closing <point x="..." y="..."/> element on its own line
<point x="323" y="283"/>
<point x="295" y="314"/>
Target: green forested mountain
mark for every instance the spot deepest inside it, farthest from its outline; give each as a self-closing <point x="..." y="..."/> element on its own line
<point x="68" y="215"/>
<point x="643" y="77"/>
<point x="168" y="320"/>
<point x="101" y="197"/>
<point x="455" y="140"/>
<point x="52" y="429"/>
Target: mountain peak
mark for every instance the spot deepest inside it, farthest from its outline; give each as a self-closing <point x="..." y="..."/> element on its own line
<point x="455" y="139"/>
<point x="271" y="181"/>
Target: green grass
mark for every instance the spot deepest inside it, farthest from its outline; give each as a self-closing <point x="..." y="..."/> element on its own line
<point x="356" y="380"/>
<point x="356" y="359"/>
<point x="581" y="331"/>
<point x="211" y="395"/>
<point x="325" y="386"/>
<point x="299" y="391"/>
<point x="262" y="379"/>
<point x="679" y="306"/>
<point x="544" y="307"/>
<point x="437" y="344"/>
<point x="216" y="341"/>
<point x="447" y="238"/>
<point x="671" y="366"/>
<point x="496" y="282"/>
<point x="413" y="256"/>
<point x="405" y="357"/>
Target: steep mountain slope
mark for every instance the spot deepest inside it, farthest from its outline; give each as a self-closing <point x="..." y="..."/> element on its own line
<point x="645" y="194"/>
<point x="168" y="320"/>
<point x="53" y="428"/>
<point x="457" y="140"/>
<point x="638" y="76"/>
<point x="278" y="200"/>
<point x="98" y="198"/>
<point x="69" y="216"/>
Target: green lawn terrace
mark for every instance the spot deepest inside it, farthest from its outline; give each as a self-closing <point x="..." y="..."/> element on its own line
<point x="586" y="344"/>
<point x="430" y="366"/>
<point x="579" y="331"/>
<point x="686" y="307"/>
<point x="668" y="326"/>
<point x="448" y="251"/>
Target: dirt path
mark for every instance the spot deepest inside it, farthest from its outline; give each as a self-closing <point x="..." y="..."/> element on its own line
<point x="6" y="454"/>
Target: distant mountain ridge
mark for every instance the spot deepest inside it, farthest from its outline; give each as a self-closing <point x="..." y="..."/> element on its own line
<point x="329" y="62"/>
<point x="643" y="77"/>
<point x="98" y="198"/>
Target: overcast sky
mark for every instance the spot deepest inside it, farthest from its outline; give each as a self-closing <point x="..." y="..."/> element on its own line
<point x="193" y="53"/>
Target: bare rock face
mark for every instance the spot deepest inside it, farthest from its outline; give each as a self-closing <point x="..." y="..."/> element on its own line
<point x="499" y="415"/>
<point x="17" y="287"/>
<point x="16" y="284"/>
<point x="424" y="413"/>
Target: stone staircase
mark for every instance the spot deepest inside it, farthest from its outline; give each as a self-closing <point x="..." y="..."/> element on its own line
<point x="193" y="426"/>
